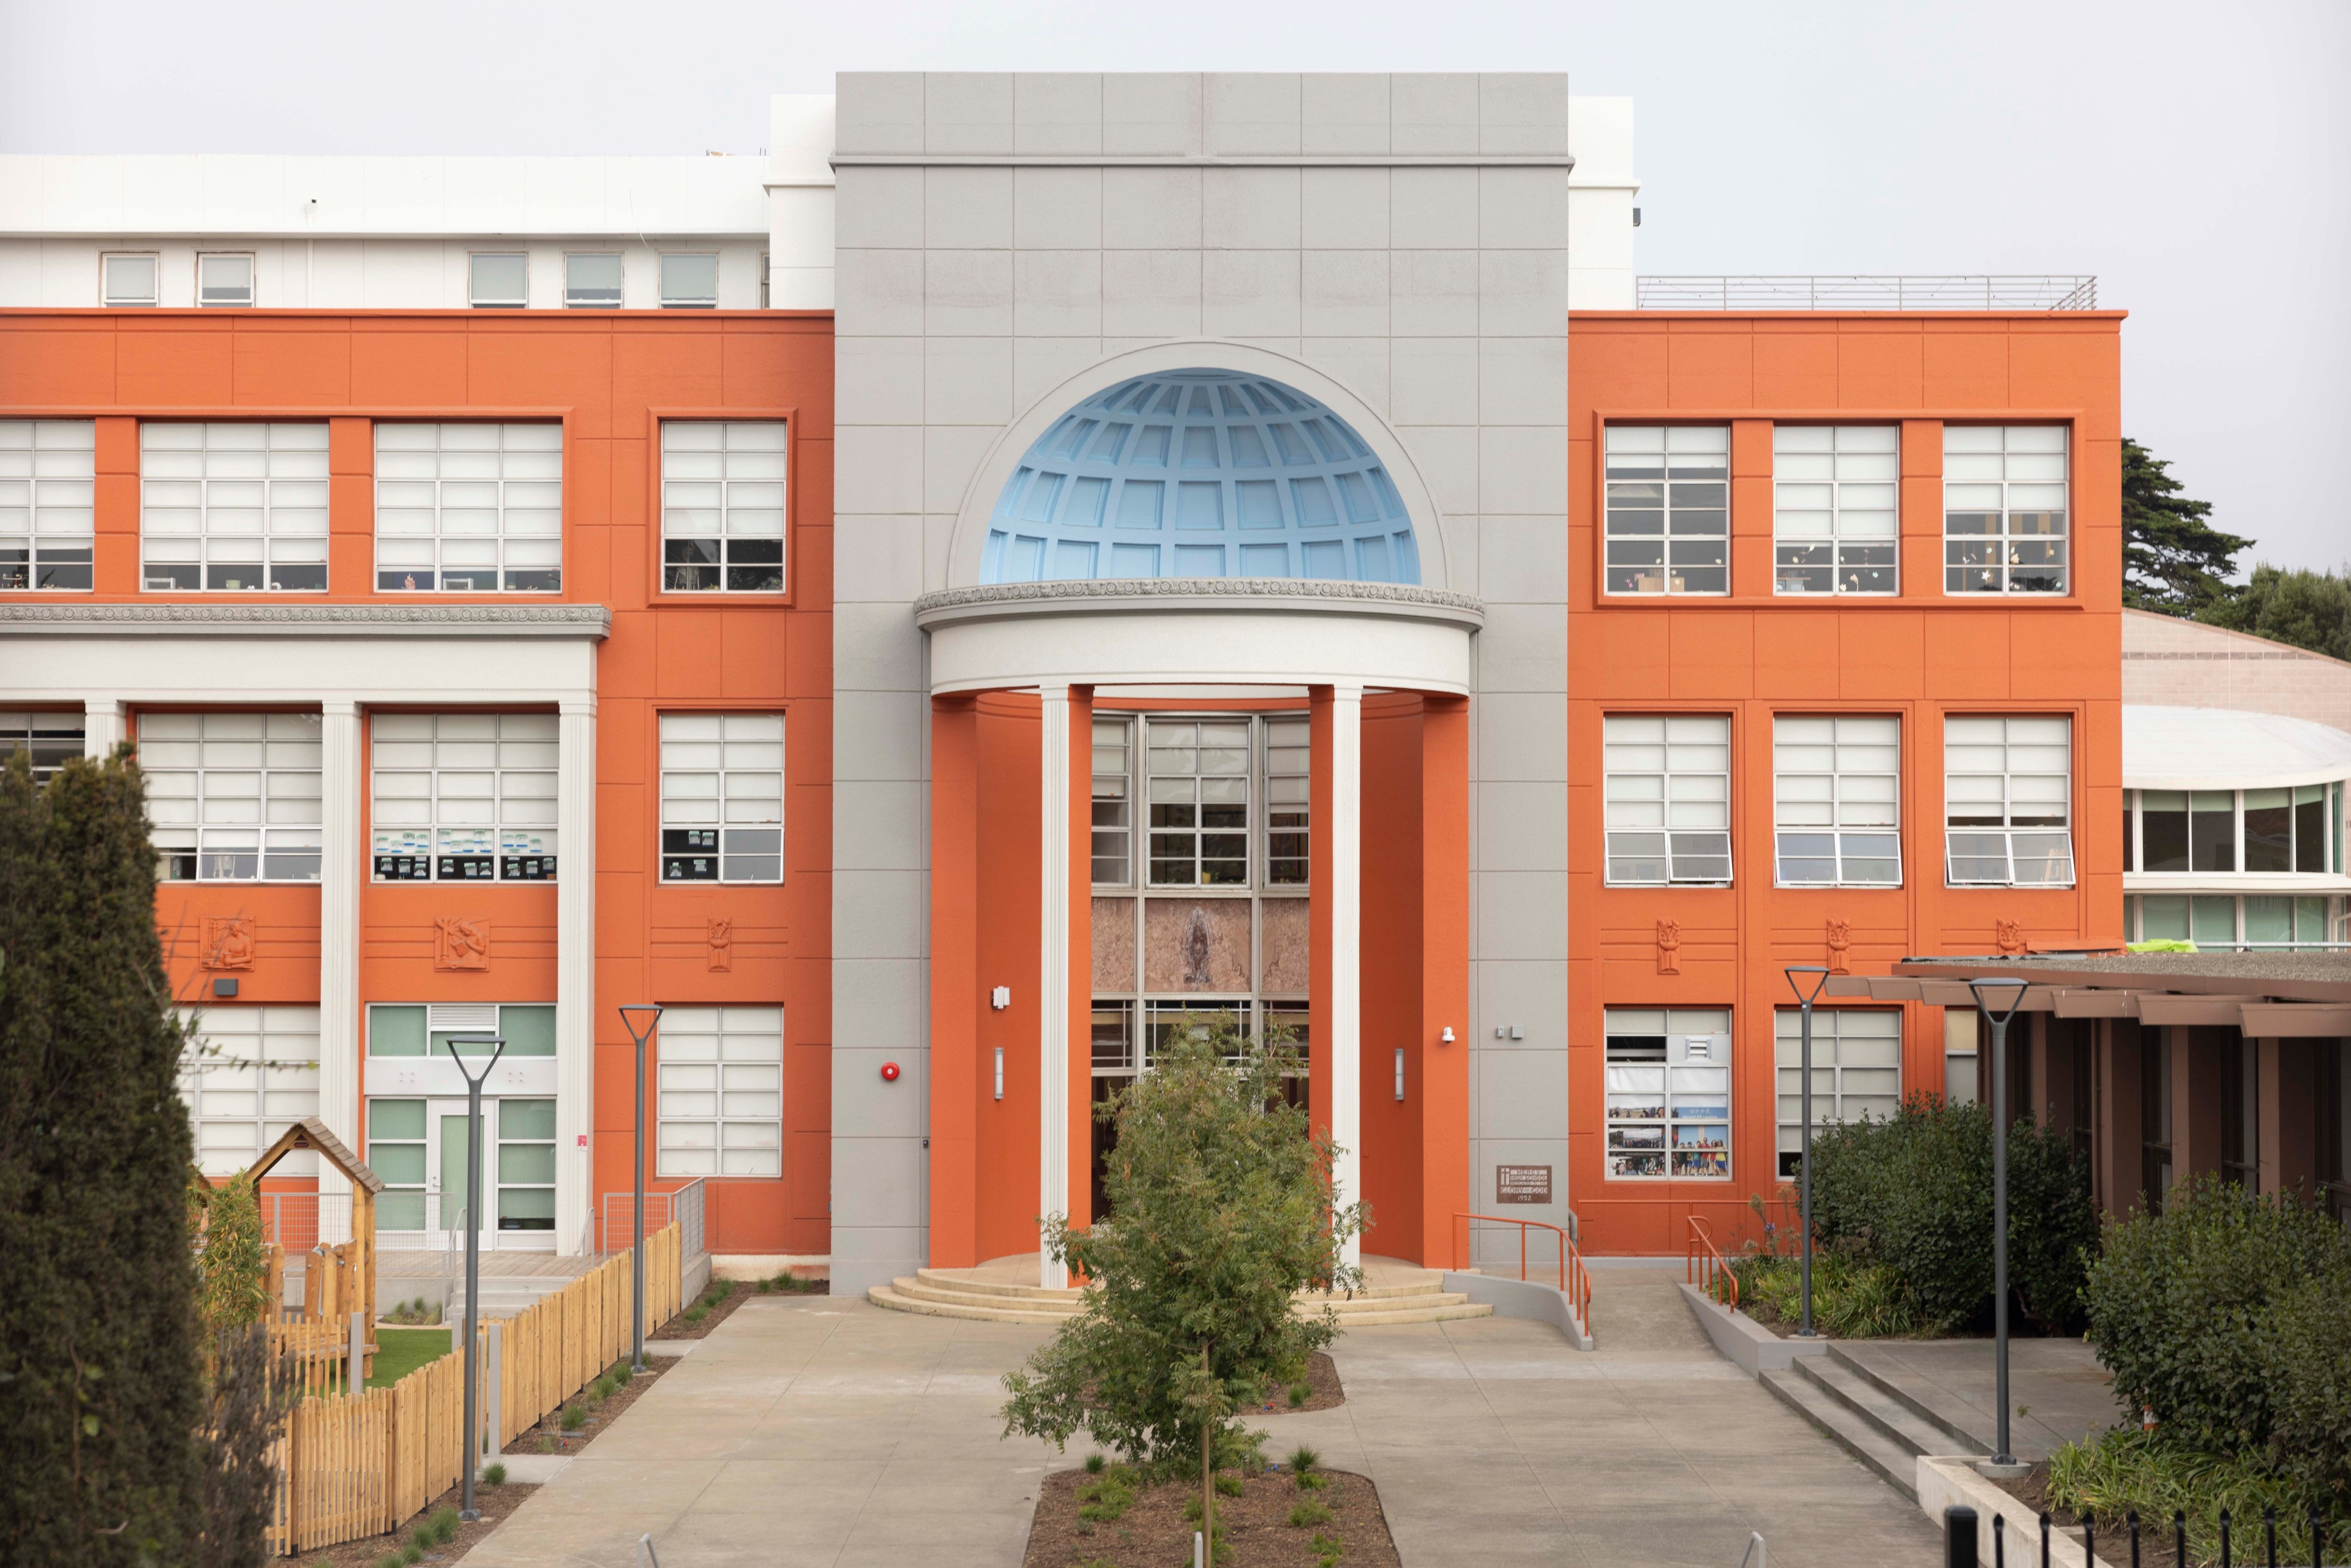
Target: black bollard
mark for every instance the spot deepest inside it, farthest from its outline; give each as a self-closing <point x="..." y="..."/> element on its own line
<point x="2269" y="1533"/>
<point x="2180" y="1538"/>
<point x="2317" y="1535"/>
<point x="2224" y="1540"/>
<point x="1999" y="1542"/>
<point x="2044" y="1537"/>
<point x="1959" y="1536"/>
<point x="2132" y="1517"/>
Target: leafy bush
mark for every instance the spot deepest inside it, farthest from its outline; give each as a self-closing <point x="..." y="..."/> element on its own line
<point x="1310" y="1513"/>
<point x="2228" y="1316"/>
<point x="1914" y="1193"/>
<point x="233" y="1265"/>
<point x="2152" y="1474"/>
<point x="1851" y="1298"/>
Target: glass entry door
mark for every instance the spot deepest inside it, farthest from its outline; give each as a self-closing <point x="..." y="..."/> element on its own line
<point x="418" y="1148"/>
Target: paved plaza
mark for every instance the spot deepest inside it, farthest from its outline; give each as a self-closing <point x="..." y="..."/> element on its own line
<point x="827" y="1432"/>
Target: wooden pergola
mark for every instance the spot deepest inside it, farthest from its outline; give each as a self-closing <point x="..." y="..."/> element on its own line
<point x="357" y="1264"/>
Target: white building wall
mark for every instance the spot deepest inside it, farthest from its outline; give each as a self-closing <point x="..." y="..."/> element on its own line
<point x="1601" y="190"/>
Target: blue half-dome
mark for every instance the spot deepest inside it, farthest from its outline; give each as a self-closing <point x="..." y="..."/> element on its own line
<point x="1200" y="474"/>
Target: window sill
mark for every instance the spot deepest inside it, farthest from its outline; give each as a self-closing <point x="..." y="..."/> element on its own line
<point x="2009" y="886"/>
<point x="1667" y="887"/>
<point x="1880" y="601"/>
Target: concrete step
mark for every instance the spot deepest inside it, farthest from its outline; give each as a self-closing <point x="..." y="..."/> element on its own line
<point x="1895" y="1421"/>
<point x="920" y="1289"/>
<point x="1929" y="1404"/>
<point x="1455" y="1309"/>
<point x="1010" y="1312"/>
<point x="941" y="1293"/>
<point x="961" y="1282"/>
<point x="1848" y="1428"/>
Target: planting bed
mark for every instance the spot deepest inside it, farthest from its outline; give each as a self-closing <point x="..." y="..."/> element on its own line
<point x="1152" y="1531"/>
<point x="737" y="1292"/>
<point x="1322" y="1382"/>
<point x="494" y="1503"/>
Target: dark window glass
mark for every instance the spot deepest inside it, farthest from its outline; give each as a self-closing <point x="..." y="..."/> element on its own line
<point x="2163" y="830"/>
<point x="2269" y="830"/>
<point x="2212" y="830"/>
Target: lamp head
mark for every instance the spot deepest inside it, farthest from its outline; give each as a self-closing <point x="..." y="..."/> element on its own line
<point x="640" y="1018"/>
<point x="1999" y="996"/>
<point x="497" y="1048"/>
<point x="1806" y="981"/>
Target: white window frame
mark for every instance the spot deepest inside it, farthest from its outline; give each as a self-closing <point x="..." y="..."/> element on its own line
<point x="1692" y="1081"/>
<point x="725" y="501"/>
<point x="1289" y="797"/>
<point x="54" y="737"/>
<point x="680" y="301"/>
<point x="1834" y="1029"/>
<point x="578" y="297"/>
<point x="1836" y="799"/>
<point x="2007" y="472"/>
<point x="226" y="787"/>
<point x="107" y="296"/>
<point x="241" y="506"/>
<point x="437" y="781"/>
<point x="1172" y="788"/>
<point x="488" y="494"/>
<point x="1112" y="802"/>
<point x="1690" y="467"/>
<point x="522" y="1140"/>
<point x="1836" y="509"/>
<point x="252" y="279"/>
<point x="253" y="1067"/>
<point x="2326" y="796"/>
<point x="719" y="1100"/>
<point x="48" y="505"/>
<point x="722" y="797"/>
<point x="1981" y="781"/>
<point x="1667" y="793"/>
<point x="2315" y="919"/>
<point x="477" y="299"/>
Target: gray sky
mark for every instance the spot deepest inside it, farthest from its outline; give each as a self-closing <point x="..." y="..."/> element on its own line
<point x="2196" y="157"/>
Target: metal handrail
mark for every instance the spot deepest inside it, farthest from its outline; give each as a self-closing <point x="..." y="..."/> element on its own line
<point x="1574" y="1280"/>
<point x="1855" y="291"/>
<point x="1708" y="1269"/>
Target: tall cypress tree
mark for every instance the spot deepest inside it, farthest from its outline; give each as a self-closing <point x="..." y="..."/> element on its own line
<point x="99" y="1387"/>
<point x="2174" y="559"/>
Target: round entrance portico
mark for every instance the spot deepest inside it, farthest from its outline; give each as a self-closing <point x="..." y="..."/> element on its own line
<point x="1294" y="512"/>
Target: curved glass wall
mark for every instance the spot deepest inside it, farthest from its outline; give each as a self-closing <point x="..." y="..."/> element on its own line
<point x="1200" y="473"/>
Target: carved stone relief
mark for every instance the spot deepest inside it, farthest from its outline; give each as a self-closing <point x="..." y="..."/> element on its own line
<point x="1669" y="947"/>
<point x="228" y="942"/>
<point x="460" y="943"/>
<point x="1195" y="944"/>
<point x="718" y="936"/>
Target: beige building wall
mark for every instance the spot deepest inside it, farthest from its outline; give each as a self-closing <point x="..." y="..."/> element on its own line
<point x="2171" y="663"/>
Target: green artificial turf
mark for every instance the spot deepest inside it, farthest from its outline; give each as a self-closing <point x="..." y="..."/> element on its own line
<point x="399" y="1352"/>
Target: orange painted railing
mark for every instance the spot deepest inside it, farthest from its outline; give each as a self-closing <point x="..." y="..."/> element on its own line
<point x="1707" y="1267"/>
<point x="1574" y="1282"/>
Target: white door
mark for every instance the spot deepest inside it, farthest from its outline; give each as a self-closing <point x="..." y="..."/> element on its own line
<point x="419" y="1147"/>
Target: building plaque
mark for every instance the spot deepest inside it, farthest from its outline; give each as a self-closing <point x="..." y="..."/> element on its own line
<point x="1521" y="1184"/>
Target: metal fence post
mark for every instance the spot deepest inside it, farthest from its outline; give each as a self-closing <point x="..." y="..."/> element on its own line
<point x="1958" y="1536"/>
<point x="491" y="1441"/>
<point x="355" y="1379"/>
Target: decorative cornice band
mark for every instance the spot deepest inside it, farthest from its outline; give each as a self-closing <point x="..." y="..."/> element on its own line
<point x="307" y="620"/>
<point x="1112" y="595"/>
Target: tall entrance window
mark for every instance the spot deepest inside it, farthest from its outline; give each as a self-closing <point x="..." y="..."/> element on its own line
<point x="1856" y="1071"/>
<point x="463" y="797"/>
<point x="1668" y="1112"/>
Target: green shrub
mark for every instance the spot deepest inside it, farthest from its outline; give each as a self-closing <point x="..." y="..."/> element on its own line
<point x="494" y="1476"/>
<point x="603" y="1388"/>
<point x="1851" y="1298"/>
<point x="574" y="1417"/>
<point x="1227" y="1484"/>
<point x="2152" y="1474"/>
<point x="1913" y="1193"/>
<point x="412" y="1553"/>
<point x="1303" y="1458"/>
<point x="1094" y="1463"/>
<point x="1311" y="1513"/>
<point x="1107" y="1497"/>
<point x="2223" y="1311"/>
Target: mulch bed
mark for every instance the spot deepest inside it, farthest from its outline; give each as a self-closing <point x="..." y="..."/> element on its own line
<point x="549" y="1438"/>
<point x="1255" y="1526"/>
<point x="742" y="1290"/>
<point x="2114" y="1535"/>
<point x="1322" y="1378"/>
<point x="494" y="1503"/>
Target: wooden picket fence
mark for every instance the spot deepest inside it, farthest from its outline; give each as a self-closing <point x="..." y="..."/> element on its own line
<point x="352" y="1466"/>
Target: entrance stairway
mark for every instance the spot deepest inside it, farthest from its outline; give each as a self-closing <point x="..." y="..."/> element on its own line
<point x="1869" y="1415"/>
<point x="1394" y="1292"/>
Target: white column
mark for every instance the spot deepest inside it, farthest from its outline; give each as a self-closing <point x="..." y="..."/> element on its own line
<point x="1053" y="974"/>
<point x="342" y="865"/>
<point x="575" y="970"/>
<point x="102" y="727"/>
<point x="1344" y="1053"/>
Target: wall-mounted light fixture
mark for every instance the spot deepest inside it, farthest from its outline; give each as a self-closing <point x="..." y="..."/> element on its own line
<point x="999" y="1072"/>
<point x="1445" y="1036"/>
<point x="1399" y="1072"/>
<point x="1000" y="998"/>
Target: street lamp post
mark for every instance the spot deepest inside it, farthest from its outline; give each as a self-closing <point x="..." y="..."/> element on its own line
<point x="473" y="1439"/>
<point x="1819" y="975"/>
<point x="642" y="1018"/>
<point x="1990" y="992"/>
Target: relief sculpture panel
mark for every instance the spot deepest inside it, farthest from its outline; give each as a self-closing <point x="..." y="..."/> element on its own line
<point x="1195" y="944"/>
<point x="1114" y="934"/>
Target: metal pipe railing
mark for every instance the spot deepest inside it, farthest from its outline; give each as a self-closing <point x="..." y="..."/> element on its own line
<point x="1853" y="291"/>
<point x="1707" y="1268"/>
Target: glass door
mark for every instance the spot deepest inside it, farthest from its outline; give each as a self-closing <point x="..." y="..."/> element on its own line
<point x="418" y="1148"/>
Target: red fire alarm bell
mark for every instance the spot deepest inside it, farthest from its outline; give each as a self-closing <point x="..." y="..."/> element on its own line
<point x="889" y="1072"/>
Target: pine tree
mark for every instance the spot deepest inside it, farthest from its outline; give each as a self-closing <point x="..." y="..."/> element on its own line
<point x="98" y="1376"/>
<point x="2173" y="560"/>
<point x="2307" y="609"/>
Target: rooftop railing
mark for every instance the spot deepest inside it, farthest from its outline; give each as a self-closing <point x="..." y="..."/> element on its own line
<point x="1926" y="291"/>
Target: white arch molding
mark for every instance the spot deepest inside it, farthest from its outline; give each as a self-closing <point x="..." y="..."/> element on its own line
<point x="979" y="497"/>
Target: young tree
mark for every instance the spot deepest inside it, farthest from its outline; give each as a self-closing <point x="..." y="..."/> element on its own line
<point x="2306" y="608"/>
<point x="2173" y="560"/>
<point x="98" y="1452"/>
<point x="234" y="1266"/>
<point x="1221" y="1210"/>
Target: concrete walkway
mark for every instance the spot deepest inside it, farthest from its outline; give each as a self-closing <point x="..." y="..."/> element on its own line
<point x="2065" y="1394"/>
<point x="827" y="1432"/>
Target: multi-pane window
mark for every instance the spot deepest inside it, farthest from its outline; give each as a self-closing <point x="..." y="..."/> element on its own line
<point x="1668" y="525"/>
<point x="722" y="796"/>
<point x="526" y="1165"/>
<point x="1668" y="1111"/>
<point x="1288" y="751"/>
<point x="2256" y="920"/>
<point x="2004" y="509"/>
<point x="233" y="507"/>
<point x="1836" y="801"/>
<point x="396" y="1151"/>
<point x="247" y="1074"/>
<point x="722" y="1091"/>
<point x="723" y="505"/>
<point x="1857" y="1071"/>
<point x="689" y="281"/>
<point x="233" y="797"/>
<point x="1113" y="802"/>
<point x="130" y="278"/>
<point x="1198" y="788"/>
<point x="224" y="278"/>
<point x="2293" y="830"/>
<point x="52" y="738"/>
<point x="469" y="509"/>
<point x="1668" y="799"/>
<point x="463" y="797"/>
<point x="592" y="280"/>
<point x="1835" y="489"/>
<point x="49" y="482"/>
<point x="2008" y="799"/>
<point x="450" y="1029"/>
<point x="498" y="279"/>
